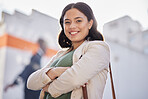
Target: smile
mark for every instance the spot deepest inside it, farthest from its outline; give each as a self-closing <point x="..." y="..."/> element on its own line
<point x="73" y="33"/>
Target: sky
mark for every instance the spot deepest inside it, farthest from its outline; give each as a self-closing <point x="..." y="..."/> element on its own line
<point x="104" y="10"/>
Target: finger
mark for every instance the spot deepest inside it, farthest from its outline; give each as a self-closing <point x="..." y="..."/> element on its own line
<point x="44" y="89"/>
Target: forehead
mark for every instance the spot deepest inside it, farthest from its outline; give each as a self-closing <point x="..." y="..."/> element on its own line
<point x="73" y="13"/>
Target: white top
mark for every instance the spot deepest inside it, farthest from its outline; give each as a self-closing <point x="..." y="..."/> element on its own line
<point x="91" y="68"/>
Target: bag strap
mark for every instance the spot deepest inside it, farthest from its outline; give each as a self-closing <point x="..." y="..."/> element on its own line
<point x="112" y="83"/>
<point x="84" y="89"/>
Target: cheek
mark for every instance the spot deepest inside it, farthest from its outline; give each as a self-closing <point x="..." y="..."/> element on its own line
<point x="87" y="32"/>
<point x="65" y="29"/>
<point x="85" y="29"/>
<point x="85" y="26"/>
<point x="65" y="32"/>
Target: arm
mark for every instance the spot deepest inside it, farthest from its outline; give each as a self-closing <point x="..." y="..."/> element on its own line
<point x="39" y="79"/>
<point x="56" y="72"/>
<point x="52" y="74"/>
<point x="95" y="59"/>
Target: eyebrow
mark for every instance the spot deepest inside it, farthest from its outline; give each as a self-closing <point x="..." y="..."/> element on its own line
<point x="74" y="18"/>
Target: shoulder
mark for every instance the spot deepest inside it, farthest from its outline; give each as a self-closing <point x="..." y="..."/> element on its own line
<point x="92" y="47"/>
<point x="97" y="44"/>
<point x="61" y="52"/>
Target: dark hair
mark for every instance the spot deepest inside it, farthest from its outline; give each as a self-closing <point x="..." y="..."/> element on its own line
<point x="93" y="34"/>
<point x="42" y="44"/>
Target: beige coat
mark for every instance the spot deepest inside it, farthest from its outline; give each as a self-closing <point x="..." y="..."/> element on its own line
<point x="92" y="67"/>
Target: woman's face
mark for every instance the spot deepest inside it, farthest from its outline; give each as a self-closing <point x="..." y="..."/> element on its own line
<point x="76" y="26"/>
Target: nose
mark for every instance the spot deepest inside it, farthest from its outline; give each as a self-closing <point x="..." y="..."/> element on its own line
<point x="73" y="25"/>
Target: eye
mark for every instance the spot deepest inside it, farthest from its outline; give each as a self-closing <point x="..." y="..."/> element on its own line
<point x="79" y="21"/>
<point x="66" y="22"/>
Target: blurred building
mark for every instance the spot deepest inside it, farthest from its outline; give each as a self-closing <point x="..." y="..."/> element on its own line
<point x="18" y="36"/>
<point x="145" y="41"/>
<point x="31" y="27"/>
<point x="129" y="55"/>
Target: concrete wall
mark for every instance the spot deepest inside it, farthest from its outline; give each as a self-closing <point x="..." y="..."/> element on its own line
<point x="129" y="55"/>
<point x="16" y="60"/>
<point x="13" y="60"/>
<point x="125" y="31"/>
<point x="129" y="72"/>
<point x="32" y="27"/>
<point x="2" y="64"/>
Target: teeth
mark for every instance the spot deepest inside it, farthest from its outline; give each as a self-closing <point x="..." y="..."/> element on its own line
<point x="74" y="32"/>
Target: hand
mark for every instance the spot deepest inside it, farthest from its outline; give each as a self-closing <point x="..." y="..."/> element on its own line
<point x="60" y="70"/>
<point x="45" y="89"/>
<point x="56" y="72"/>
<point x="42" y="94"/>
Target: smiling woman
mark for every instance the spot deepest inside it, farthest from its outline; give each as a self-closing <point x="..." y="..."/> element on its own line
<point x="76" y="26"/>
<point x="85" y="61"/>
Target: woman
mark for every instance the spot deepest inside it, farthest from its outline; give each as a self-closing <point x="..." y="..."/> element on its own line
<point x="85" y="61"/>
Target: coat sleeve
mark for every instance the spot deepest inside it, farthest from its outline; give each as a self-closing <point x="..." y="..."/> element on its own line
<point x="95" y="59"/>
<point x="39" y="78"/>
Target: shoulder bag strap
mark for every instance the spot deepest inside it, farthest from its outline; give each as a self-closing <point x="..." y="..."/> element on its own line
<point x="84" y="89"/>
<point x="112" y="83"/>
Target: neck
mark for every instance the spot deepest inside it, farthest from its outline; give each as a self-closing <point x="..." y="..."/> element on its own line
<point x="76" y="45"/>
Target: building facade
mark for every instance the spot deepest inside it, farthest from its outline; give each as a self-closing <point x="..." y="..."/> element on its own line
<point x="18" y="36"/>
<point x="128" y="44"/>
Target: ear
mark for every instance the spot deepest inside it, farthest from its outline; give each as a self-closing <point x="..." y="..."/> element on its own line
<point x="90" y="24"/>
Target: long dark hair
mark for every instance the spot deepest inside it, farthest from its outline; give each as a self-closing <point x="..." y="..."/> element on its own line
<point x="93" y="34"/>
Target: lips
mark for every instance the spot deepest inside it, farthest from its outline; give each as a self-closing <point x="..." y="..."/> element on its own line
<point x="74" y="33"/>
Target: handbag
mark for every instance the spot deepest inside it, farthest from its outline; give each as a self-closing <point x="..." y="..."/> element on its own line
<point x="84" y="89"/>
